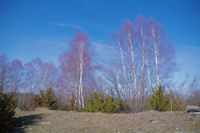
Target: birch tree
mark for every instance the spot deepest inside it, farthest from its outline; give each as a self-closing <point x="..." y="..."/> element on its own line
<point x="128" y="35"/>
<point x="163" y="52"/>
<point x="77" y="68"/>
<point x="146" y="54"/>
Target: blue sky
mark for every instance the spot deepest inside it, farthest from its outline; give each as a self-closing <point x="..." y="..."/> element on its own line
<point x="44" y="27"/>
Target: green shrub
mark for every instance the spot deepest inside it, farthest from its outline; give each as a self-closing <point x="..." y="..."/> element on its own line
<point x="50" y="100"/>
<point x="45" y="99"/>
<point x="100" y="102"/>
<point x="165" y="102"/>
<point x="95" y="102"/>
<point x="108" y="105"/>
<point x="174" y="102"/>
<point x="158" y="100"/>
<point x="14" y="98"/>
<point x="53" y="105"/>
<point x="7" y="112"/>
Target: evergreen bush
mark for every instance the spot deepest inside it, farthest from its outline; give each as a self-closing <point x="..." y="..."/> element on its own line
<point x="7" y="112"/>
<point x="158" y="100"/>
<point x="100" y="102"/>
<point x="165" y="102"/>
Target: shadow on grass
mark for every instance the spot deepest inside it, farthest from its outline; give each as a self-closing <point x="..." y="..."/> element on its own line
<point x="24" y="121"/>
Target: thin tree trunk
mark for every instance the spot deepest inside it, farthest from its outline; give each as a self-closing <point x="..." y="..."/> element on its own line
<point x="124" y="70"/>
<point x="134" y="72"/>
<point x="78" y="89"/>
<point x="71" y="85"/>
<point x="156" y="57"/>
<point x="81" y="75"/>
<point x="149" y="76"/>
<point x="116" y="85"/>
<point x="143" y="70"/>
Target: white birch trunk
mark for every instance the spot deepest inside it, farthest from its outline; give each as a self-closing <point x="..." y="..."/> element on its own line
<point x="149" y="75"/>
<point x="124" y="69"/>
<point x="78" y="89"/>
<point x="143" y="67"/>
<point x="81" y="75"/>
<point x="156" y="56"/>
<point x="134" y="71"/>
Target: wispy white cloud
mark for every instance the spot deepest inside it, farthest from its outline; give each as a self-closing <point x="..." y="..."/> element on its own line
<point x="74" y="26"/>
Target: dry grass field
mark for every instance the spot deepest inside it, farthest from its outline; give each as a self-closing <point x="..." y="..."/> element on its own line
<point x="43" y="120"/>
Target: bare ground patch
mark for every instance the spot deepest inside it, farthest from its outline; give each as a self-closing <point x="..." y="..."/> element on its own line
<point x="43" y="120"/>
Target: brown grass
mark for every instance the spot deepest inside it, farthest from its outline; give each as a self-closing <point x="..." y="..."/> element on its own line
<point x="44" y="120"/>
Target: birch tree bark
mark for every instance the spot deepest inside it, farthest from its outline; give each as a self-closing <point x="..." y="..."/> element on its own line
<point x="81" y="75"/>
<point x="134" y="70"/>
<point x="156" y="55"/>
<point x="143" y="68"/>
<point x="124" y="69"/>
